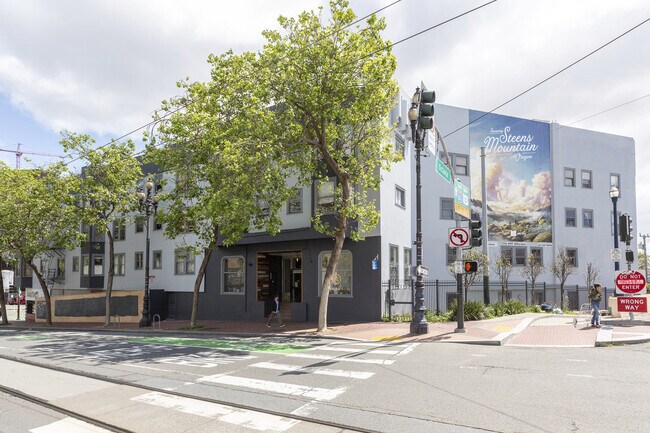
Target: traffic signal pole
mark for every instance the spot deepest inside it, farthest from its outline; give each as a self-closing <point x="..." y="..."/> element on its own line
<point x="460" y="303"/>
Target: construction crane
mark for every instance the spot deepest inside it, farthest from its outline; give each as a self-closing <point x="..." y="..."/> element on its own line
<point x="20" y="153"/>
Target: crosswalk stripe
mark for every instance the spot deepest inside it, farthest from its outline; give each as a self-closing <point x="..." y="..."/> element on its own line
<point x="351" y="350"/>
<point x="277" y="387"/>
<point x="69" y="425"/>
<point x="314" y="370"/>
<point x="231" y="415"/>
<point x="341" y="358"/>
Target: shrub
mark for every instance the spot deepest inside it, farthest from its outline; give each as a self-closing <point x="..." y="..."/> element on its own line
<point x="534" y="309"/>
<point x="436" y="318"/>
<point x="515" y="306"/>
<point x="474" y="310"/>
<point x="496" y="310"/>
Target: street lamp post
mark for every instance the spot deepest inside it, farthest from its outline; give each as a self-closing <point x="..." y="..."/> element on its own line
<point x="614" y="193"/>
<point x="148" y="206"/>
<point x="419" y="324"/>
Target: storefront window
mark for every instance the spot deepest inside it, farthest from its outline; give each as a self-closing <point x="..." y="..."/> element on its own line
<point x="342" y="280"/>
<point x="233" y="275"/>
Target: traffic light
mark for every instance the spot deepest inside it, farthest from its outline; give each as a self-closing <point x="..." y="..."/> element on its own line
<point x="475" y="234"/>
<point x="425" y="114"/>
<point x="625" y="227"/>
<point x="471" y="266"/>
<point x="629" y="256"/>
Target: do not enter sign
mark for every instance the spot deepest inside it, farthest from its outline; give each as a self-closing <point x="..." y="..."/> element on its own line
<point x="630" y="282"/>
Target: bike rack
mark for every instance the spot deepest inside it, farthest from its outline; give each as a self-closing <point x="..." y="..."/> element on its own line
<point x="116" y="321"/>
<point x="154" y="321"/>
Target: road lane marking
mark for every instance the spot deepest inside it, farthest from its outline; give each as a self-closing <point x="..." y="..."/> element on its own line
<point x="277" y="387"/>
<point x="580" y="375"/>
<point x="478" y="354"/>
<point x="69" y="425"/>
<point x="231" y="415"/>
<point x="576" y="360"/>
<point x="408" y="349"/>
<point x="342" y="359"/>
<point x="314" y="370"/>
<point x="162" y="369"/>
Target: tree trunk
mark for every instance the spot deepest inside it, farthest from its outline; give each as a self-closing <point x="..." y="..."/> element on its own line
<point x="197" y="285"/>
<point x="109" y="282"/>
<point x="562" y="296"/>
<point x="46" y="293"/>
<point x="327" y="282"/>
<point x="3" y="307"/>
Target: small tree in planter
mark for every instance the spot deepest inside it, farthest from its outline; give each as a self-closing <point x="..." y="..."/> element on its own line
<point x="562" y="267"/>
<point x="531" y="270"/>
<point x="503" y="268"/>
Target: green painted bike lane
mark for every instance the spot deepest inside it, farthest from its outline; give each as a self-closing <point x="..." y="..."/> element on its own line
<point x="244" y="346"/>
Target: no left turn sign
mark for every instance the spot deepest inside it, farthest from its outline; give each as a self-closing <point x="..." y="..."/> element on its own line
<point x="458" y="237"/>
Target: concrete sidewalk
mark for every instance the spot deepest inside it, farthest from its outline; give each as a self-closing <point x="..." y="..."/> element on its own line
<point x="530" y="329"/>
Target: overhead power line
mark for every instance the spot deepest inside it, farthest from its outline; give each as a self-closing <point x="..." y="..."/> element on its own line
<point x="553" y="75"/>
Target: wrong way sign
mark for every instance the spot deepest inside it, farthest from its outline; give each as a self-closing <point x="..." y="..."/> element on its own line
<point x="458" y="237"/>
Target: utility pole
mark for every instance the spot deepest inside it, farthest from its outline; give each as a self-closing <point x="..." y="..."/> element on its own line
<point x="645" y="256"/>
<point x="486" y="269"/>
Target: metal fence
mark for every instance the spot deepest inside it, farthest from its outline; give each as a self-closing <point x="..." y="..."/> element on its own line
<point x="439" y="294"/>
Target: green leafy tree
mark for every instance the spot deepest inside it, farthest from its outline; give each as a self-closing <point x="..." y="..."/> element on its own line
<point x="37" y="216"/>
<point x="332" y="87"/>
<point x="227" y="176"/>
<point x="503" y="268"/>
<point x="562" y="267"/>
<point x="106" y="189"/>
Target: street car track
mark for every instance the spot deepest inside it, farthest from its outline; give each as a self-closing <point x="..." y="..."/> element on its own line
<point x="55" y="408"/>
<point x="110" y="427"/>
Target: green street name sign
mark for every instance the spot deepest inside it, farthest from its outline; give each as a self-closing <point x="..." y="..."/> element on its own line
<point x="443" y="170"/>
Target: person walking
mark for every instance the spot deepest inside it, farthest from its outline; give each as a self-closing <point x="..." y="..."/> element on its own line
<point x="275" y="312"/>
<point x="595" y="295"/>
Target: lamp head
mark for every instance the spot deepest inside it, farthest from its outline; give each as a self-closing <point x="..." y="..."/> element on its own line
<point x="614" y="192"/>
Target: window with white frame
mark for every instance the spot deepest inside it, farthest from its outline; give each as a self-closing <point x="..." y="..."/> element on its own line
<point x="536" y="254"/>
<point x="399" y="145"/>
<point x="615" y="180"/>
<point x="400" y="197"/>
<point x="407" y="265"/>
<point x="75" y="264"/>
<point x="138" y="260"/>
<point x="185" y="262"/>
<point x="570" y="177"/>
<point x="461" y="164"/>
<point x="515" y="255"/>
<point x="139" y="224"/>
<point x="570" y="217"/>
<point x="85" y="265"/>
<point x="119" y="265"/>
<point x="294" y="204"/>
<point x="157" y="259"/>
<point x="232" y="282"/>
<point x="393" y="265"/>
<point x="325" y="195"/>
<point x="119" y="229"/>
<point x="446" y="208"/>
<point x="586" y="179"/>
<point x="98" y="265"/>
<point x="342" y="279"/>
<point x="588" y="218"/>
<point x="572" y="254"/>
<point x="60" y="268"/>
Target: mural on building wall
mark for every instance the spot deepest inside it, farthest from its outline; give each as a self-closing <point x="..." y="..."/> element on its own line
<point x="518" y="176"/>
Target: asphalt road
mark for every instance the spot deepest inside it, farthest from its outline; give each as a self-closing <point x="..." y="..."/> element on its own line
<point x="384" y="387"/>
